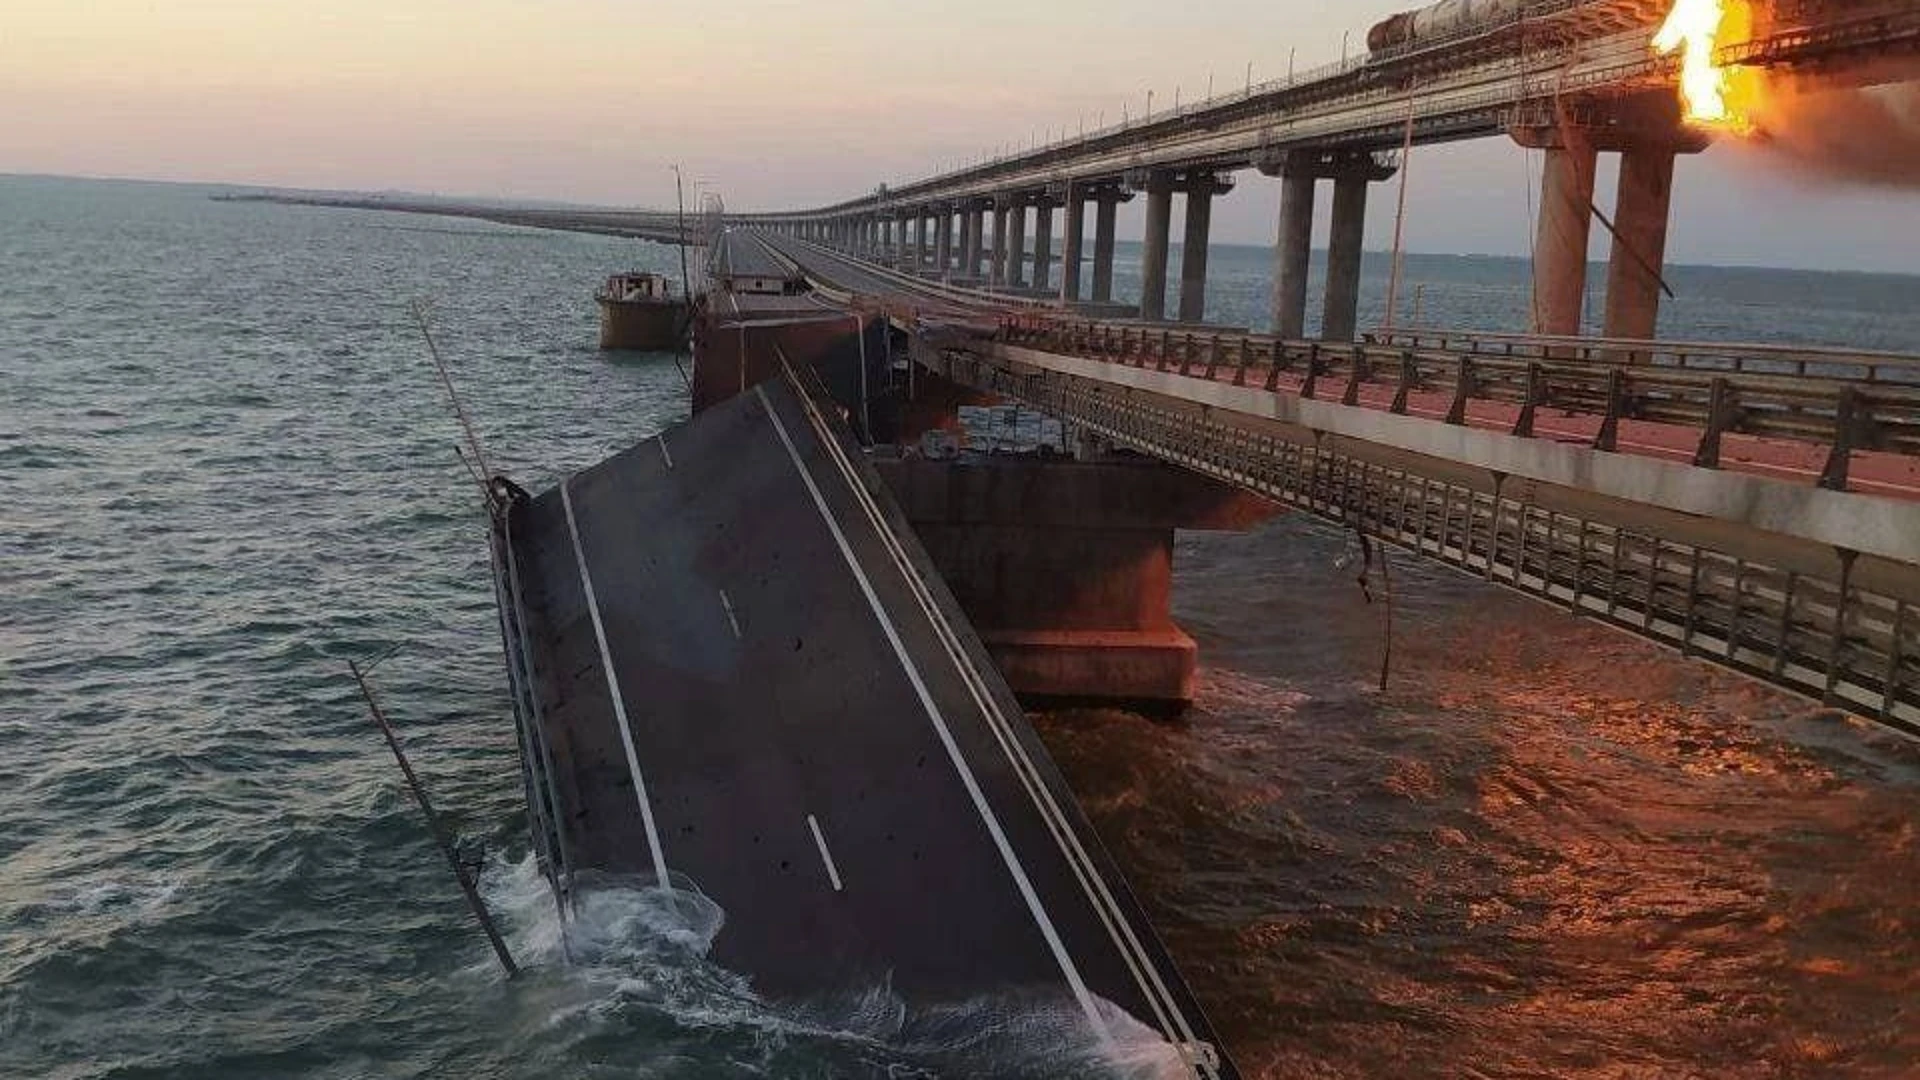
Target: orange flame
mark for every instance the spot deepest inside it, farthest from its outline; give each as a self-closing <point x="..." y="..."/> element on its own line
<point x="1696" y="29"/>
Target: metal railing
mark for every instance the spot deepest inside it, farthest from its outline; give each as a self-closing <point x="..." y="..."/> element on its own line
<point x="1799" y="361"/>
<point x="1841" y="414"/>
<point x="1811" y="621"/>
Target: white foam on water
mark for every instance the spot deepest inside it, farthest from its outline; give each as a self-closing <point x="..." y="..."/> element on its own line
<point x="139" y="900"/>
<point x="632" y="949"/>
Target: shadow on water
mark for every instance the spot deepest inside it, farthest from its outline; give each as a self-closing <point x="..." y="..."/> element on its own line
<point x="1546" y="850"/>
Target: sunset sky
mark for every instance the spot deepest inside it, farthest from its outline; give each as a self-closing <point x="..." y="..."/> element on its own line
<point x="773" y="104"/>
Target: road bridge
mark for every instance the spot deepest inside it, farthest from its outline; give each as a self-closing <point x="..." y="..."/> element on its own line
<point x="1755" y="507"/>
<point x="1572" y="78"/>
<point x="662" y="227"/>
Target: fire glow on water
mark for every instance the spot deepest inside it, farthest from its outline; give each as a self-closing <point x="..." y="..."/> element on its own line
<point x="1696" y="29"/>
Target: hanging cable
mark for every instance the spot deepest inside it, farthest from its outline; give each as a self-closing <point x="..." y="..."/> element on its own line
<point x="419" y="308"/>
<point x="1400" y="218"/>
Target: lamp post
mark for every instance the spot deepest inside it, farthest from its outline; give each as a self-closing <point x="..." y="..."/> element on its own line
<point x="680" y="197"/>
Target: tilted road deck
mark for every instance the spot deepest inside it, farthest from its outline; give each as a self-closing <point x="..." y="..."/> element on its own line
<point x="734" y="664"/>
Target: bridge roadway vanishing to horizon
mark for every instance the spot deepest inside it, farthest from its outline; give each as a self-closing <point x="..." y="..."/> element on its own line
<point x="1757" y="507"/>
<point x="1571" y="78"/>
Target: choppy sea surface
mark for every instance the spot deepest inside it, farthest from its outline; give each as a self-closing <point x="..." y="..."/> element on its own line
<point x="226" y="468"/>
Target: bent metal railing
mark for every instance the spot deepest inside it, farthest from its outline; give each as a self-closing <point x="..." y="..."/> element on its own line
<point x="1815" y="620"/>
<point x="1802" y="401"/>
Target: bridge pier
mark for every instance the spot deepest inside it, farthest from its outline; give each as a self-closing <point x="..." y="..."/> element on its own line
<point x="997" y="258"/>
<point x="1293" y="251"/>
<point x="974" y="221"/>
<point x="1200" y="189"/>
<point x="943" y="241"/>
<point x="1340" y="317"/>
<point x="1042" y="242"/>
<point x="1072" y="236"/>
<point x="1016" y="261"/>
<point x="1560" y="243"/>
<point x="1153" y="256"/>
<point x="1106" y="211"/>
<point x="1641" y="210"/>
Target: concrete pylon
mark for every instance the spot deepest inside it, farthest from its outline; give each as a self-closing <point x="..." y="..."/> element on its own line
<point x="997" y="258"/>
<point x="1340" y="317"/>
<point x="1073" y="236"/>
<point x="1293" y="251"/>
<point x="1560" y="244"/>
<point x="1200" y="191"/>
<point x="969" y="243"/>
<point x="1640" y="215"/>
<point x="977" y="230"/>
<point x="943" y="241"/>
<point x="1153" y="255"/>
<point x="1042" y="243"/>
<point x="1016" y="261"/>
<point x="1106" y="212"/>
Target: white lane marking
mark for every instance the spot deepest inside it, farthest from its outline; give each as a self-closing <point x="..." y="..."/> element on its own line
<point x="727" y="603"/>
<point x="613" y="688"/>
<point x="820" y="841"/>
<point x="664" y="456"/>
<point x="1172" y="1019"/>
<point x="967" y="779"/>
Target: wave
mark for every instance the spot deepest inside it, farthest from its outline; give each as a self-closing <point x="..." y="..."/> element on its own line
<point x="630" y="969"/>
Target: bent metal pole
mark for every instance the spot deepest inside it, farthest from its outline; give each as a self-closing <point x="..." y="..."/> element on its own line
<point x="467" y="885"/>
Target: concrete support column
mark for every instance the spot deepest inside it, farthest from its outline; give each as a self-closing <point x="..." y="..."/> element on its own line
<point x="997" y="258"/>
<point x="1016" y="262"/>
<point x="1106" y="211"/>
<point x="1153" y="257"/>
<point x="1193" y="248"/>
<point x="1073" y="236"/>
<point x="943" y="241"/>
<point x="1341" y="317"/>
<point x="1560" y="248"/>
<point x="1042" y="243"/>
<point x="1293" y="254"/>
<point x="1640" y="216"/>
<point x="976" y="243"/>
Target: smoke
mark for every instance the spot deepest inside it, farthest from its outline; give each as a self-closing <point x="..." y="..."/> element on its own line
<point x="1868" y="136"/>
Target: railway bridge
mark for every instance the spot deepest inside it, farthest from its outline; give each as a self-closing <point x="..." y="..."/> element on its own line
<point x="1571" y="78"/>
